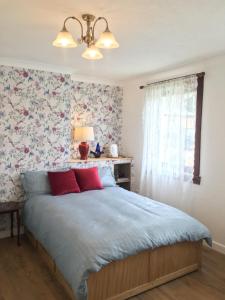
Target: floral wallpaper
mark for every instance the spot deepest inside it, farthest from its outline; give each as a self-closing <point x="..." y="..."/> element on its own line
<point x="37" y="112"/>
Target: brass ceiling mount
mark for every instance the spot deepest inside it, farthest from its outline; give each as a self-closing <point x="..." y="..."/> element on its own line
<point x="88" y="17"/>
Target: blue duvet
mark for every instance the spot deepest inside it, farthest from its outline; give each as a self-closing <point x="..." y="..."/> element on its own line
<point x="84" y="232"/>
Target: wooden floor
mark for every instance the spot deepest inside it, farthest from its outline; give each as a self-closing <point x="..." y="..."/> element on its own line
<point x="23" y="275"/>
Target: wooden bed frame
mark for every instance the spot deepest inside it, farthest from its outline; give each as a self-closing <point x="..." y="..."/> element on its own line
<point x="131" y="276"/>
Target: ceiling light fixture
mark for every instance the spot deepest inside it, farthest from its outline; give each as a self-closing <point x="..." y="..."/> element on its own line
<point x="106" y="40"/>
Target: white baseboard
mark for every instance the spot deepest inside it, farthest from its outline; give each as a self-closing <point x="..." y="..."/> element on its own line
<point x="218" y="247"/>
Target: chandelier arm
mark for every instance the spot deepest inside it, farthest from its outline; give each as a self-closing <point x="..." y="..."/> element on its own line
<point x="98" y="19"/>
<point x="81" y="26"/>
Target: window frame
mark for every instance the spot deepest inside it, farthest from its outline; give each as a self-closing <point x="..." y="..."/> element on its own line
<point x="198" y="128"/>
<point x="196" y="179"/>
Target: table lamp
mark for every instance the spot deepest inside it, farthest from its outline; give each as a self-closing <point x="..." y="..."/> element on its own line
<point x="83" y="134"/>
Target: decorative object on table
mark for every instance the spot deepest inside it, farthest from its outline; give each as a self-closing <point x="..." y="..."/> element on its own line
<point x="10" y="208"/>
<point x="97" y="152"/>
<point x="106" y="41"/>
<point x="83" y="134"/>
<point x="106" y="150"/>
<point x="114" y="150"/>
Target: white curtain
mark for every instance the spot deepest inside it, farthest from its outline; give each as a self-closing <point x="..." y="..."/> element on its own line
<point x="169" y="136"/>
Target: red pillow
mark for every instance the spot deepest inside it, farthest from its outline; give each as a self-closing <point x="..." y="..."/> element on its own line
<point x="88" y="179"/>
<point x="63" y="182"/>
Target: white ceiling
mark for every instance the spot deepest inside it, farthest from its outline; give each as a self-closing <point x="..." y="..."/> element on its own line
<point x="153" y="34"/>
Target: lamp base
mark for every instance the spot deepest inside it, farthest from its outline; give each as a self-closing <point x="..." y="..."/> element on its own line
<point x="83" y="149"/>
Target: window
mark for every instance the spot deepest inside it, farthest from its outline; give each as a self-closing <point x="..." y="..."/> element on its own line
<point x="172" y="130"/>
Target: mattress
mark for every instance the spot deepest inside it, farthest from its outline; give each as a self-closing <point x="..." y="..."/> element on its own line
<point x="84" y="232"/>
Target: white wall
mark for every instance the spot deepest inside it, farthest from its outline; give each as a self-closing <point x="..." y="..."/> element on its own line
<point x="209" y="198"/>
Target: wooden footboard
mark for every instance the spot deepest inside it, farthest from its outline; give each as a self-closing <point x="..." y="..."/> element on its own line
<point x="135" y="274"/>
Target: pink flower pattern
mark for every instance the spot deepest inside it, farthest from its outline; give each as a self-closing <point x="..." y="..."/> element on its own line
<point x="37" y="109"/>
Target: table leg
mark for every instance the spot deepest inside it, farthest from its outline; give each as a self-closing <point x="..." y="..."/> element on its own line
<point x="18" y="227"/>
<point x="12" y="215"/>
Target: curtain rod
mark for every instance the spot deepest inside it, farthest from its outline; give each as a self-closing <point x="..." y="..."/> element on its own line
<point x="202" y="74"/>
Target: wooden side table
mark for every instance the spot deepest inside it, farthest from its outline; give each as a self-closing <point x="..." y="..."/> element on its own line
<point x="11" y="208"/>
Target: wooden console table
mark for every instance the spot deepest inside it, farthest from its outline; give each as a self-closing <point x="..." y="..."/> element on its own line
<point x="11" y="208"/>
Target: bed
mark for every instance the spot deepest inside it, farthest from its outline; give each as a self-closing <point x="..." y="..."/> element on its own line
<point x="112" y="243"/>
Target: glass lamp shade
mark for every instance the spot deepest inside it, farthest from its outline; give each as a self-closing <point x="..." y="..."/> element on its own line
<point x="92" y="52"/>
<point x="107" y="41"/>
<point x="65" y="40"/>
<point x="83" y="134"/>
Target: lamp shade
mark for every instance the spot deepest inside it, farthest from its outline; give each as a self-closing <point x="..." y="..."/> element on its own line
<point x="107" y="40"/>
<point x="64" y="39"/>
<point x="84" y="134"/>
<point x="92" y="52"/>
